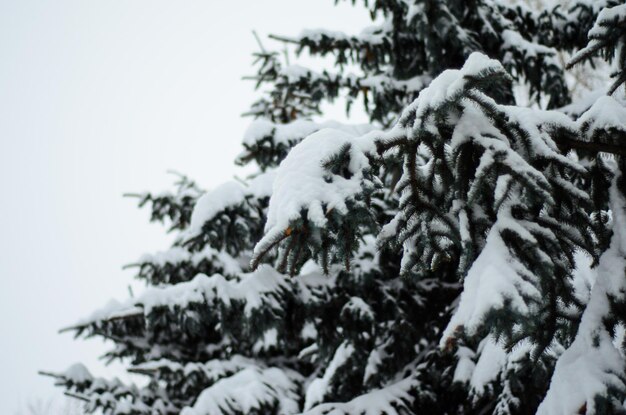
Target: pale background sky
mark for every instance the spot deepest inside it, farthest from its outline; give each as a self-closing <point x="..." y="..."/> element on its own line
<point x="98" y="98"/>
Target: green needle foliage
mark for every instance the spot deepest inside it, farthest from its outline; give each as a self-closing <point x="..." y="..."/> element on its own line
<point x="464" y="253"/>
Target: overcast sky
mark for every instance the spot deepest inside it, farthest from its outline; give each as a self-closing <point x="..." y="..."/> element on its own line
<point x="98" y="98"/>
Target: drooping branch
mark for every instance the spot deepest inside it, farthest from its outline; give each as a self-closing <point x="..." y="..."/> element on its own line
<point x="597" y="147"/>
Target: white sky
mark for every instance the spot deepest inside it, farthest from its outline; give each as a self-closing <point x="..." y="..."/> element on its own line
<point x="98" y="98"/>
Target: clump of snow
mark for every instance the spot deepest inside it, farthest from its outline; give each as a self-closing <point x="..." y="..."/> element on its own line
<point x="260" y="186"/>
<point x="229" y="195"/>
<point x="78" y="374"/>
<point x="294" y="73"/>
<point x="302" y="182"/>
<point x="177" y="255"/>
<point x="316" y="35"/>
<point x="492" y="360"/>
<point x="110" y="308"/>
<point x="317" y="389"/>
<point x="212" y="370"/>
<point x="607" y="14"/>
<point x="373" y="35"/>
<point x="250" y="390"/>
<point x="211" y="203"/>
<point x="465" y="364"/>
<point x="604" y="114"/>
<point x="374" y="360"/>
<point x="583" y="277"/>
<point x="308" y="332"/>
<point x="493" y="279"/>
<point x="293" y="132"/>
<point x="513" y="40"/>
<point x="358" y="308"/>
<point x="391" y="400"/>
<point x="579" y="106"/>
<point x="451" y="82"/>
<point x="313" y="286"/>
<point x="592" y="365"/>
<point x="381" y="83"/>
<point x="261" y="288"/>
<point x="268" y="341"/>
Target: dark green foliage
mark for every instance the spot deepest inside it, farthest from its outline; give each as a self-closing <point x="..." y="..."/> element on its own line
<point x="418" y="40"/>
<point x="173" y="207"/>
<point x="608" y="40"/>
<point x="444" y="244"/>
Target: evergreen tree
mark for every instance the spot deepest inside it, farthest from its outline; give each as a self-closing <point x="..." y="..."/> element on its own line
<point x="461" y="254"/>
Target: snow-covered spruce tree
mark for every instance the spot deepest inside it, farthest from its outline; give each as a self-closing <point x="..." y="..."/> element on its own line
<point x="590" y="376"/>
<point x="438" y="261"/>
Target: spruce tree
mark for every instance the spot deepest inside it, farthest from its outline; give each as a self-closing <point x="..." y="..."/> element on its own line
<point x="460" y="254"/>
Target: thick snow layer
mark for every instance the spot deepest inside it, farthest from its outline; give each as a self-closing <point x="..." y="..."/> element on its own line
<point x="608" y="18"/>
<point x="228" y="195"/>
<point x="606" y="15"/>
<point x="260" y="186"/>
<point x="77" y="373"/>
<point x="475" y="126"/>
<point x="268" y="341"/>
<point x="605" y="113"/>
<point x="465" y="364"/>
<point x="317" y="389"/>
<point x="211" y="370"/>
<point x="583" y="277"/>
<point x="308" y="332"/>
<point x="374" y="360"/>
<point x="358" y="308"/>
<point x="294" y="73"/>
<point x="316" y="35"/>
<point x="211" y="203"/>
<point x="264" y="288"/>
<point x="513" y="40"/>
<point x="488" y="365"/>
<point x="592" y="364"/>
<point x="177" y="255"/>
<point x="302" y="182"/>
<point x="382" y="83"/>
<point x="577" y="107"/>
<point x="535" y="122"/>
<point x="493" y="279"/>
<point x="373" y="35"/>
<point x="452" y="81"/>
<point x="313" y="285"/>
<point x="491" y="361"/>
<point x="256" y="289"/>
<point x="251" y="289"/>
<point x="391" y="400"/>
<point x="250" y="390"/>
<point x="293" y="132"/>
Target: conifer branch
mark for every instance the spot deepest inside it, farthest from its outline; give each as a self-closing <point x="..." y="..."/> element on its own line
<point x="256" y="260"/>
<point x="49" y="374"/>
<point x="76" y="396"/>
<point x="595" y="147"/>
<point x="284" y="39"/>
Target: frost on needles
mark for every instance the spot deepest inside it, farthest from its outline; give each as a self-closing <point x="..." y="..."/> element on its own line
<point x="464" y="253"/>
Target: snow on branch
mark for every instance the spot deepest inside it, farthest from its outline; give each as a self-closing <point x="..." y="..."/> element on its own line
<point x="322" y="178"/>
<point x="251" y="391"/>
<point x="178" y="264"/>
<point x="262" y="287"/>
<point x="230" y="217"/>
<point x="607" y="37"/>
<point x="590" y="376"/>
<point x="394" y="399"/>
<point x="112" y="396"/>
<point x="268" y="143"/>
